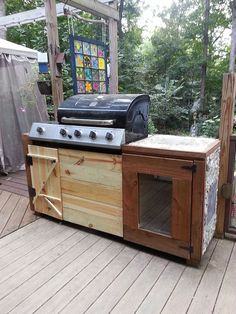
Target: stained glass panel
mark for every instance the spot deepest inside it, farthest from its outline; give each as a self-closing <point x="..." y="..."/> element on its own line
<point x="79" y="60"/>
<point x="89" y="65"/>
<point x="78" y="46"/>
<point x="87" y="49"/>
<point x="80" y="73"/>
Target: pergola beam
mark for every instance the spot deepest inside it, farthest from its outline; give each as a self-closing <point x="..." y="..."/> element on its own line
<point x="31" y="16"/>
<point x="95" y="7"/>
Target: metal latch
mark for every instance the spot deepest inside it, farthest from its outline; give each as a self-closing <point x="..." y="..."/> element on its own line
<point x="227" y="190"/>
<point x="32" y="192"/>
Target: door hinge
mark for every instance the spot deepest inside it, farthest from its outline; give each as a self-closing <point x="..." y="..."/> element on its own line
<point x="192" y="168"/>
<point x="32" y="192"/>
<point x="29" y="160"/>
<point x="187" y="248"/>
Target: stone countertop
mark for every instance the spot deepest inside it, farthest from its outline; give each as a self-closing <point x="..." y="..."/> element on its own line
<point x="176" y="143"/>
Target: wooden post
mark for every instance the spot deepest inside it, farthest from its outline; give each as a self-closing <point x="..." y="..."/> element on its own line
<point x="226" y="128"/>
<point x="26" y="141"/>
<point x="113" y="83"/>
<point x="53" y="50"/>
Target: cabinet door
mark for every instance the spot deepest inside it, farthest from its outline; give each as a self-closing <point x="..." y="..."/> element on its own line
<point x="157" y="202"/>
<point x="45" y="174"/>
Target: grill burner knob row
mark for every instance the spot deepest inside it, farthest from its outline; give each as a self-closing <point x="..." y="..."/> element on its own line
<point x="63" y="132"/>
<point x="40" y="130"/>
<point x="109" y="136"/>
<point x="77" y="133"/>
<point x="92" y="135"/>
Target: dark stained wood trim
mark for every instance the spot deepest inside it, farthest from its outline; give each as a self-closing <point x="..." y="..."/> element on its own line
<point x="148" y="151"/>
<point x="26" y="141"/>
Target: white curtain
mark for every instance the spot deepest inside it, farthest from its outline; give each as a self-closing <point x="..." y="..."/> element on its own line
<point x="20" y="104"/>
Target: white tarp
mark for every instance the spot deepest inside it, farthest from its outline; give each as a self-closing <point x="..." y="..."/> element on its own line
<point x="21" y="103"/>
<point x="8" y="47"/>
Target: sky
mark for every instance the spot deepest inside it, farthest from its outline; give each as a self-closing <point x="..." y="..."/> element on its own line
<point x="148" y="18"/>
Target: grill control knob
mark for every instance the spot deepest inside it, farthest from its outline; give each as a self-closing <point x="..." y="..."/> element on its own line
<point x="93" y="135"/>
<point x="63" y="132"/>
<point x="77" y="133"/>
<point x="40" y="130"/>
<point x="109" y="136"/>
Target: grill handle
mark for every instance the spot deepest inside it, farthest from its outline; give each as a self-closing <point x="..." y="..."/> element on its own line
<point x="92" y="122"/>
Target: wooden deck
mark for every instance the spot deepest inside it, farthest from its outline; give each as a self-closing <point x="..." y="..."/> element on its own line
<point x="14" y="203"/>
<point x="51" y="267"/>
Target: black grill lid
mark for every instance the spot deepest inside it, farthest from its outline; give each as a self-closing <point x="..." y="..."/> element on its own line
<point x="107" y="106"/>
<point x="120" y="102"/>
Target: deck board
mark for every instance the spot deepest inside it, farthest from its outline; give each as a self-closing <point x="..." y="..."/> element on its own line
<point x="52" y="267"/>
<point x="15" y="183"/>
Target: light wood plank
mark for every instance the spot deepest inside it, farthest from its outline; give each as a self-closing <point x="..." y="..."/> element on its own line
<point x="27" y="246"/>
<point x="17" y="243"/>
<point x="7" y="210"/>
<point x="80" y="281"/>
<point x="92" y="191"/>
<point x="61" y="245"/>
<point x="36" y="299"/>
<point x="4" y="198"/>
<point x="116" y="290"/>
<point x="208" y="289"/>
<point x="162" y="289"/>
<point x="29" y="217"/>
<point x="42" y="247"/>
<point x="226" y="301"/>
<point x="188" y="285"/>
<point x="38" y="279"/>
<point x="93" y="214"/>
<point x="21" y="232"/>
<point x="141" y="287"/>
<point x="16" y="217"/>
<point x="84" y="299"/>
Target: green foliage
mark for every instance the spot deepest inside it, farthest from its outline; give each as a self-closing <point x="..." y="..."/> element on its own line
<point x="209" y="127"/>
<point x="167" y="66"/>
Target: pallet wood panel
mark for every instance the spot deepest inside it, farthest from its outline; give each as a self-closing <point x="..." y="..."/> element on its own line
<point x="92" y="189"/>
<point x="45" y="174"/>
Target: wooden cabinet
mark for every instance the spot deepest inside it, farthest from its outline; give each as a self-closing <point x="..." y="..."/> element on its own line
<point x="45" y="174"/>
<point x="170" y="194"/>
<point x="78" y="186"/>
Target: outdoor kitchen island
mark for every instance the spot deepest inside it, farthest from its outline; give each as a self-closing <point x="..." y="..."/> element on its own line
<point x="170" y="193"/>
<point x="158" y="191"/>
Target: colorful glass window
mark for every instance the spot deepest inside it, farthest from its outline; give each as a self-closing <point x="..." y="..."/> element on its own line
<point x="88" y="65"/>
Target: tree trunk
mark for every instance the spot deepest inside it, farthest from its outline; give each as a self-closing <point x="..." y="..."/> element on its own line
<point x="205" y="52"/>
<point x="121" y="8"/>
<point x="233" y="40"/>
<point x="2" y="13"/>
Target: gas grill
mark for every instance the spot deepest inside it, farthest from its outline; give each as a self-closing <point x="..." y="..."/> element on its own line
<point x="97" y="121"/>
